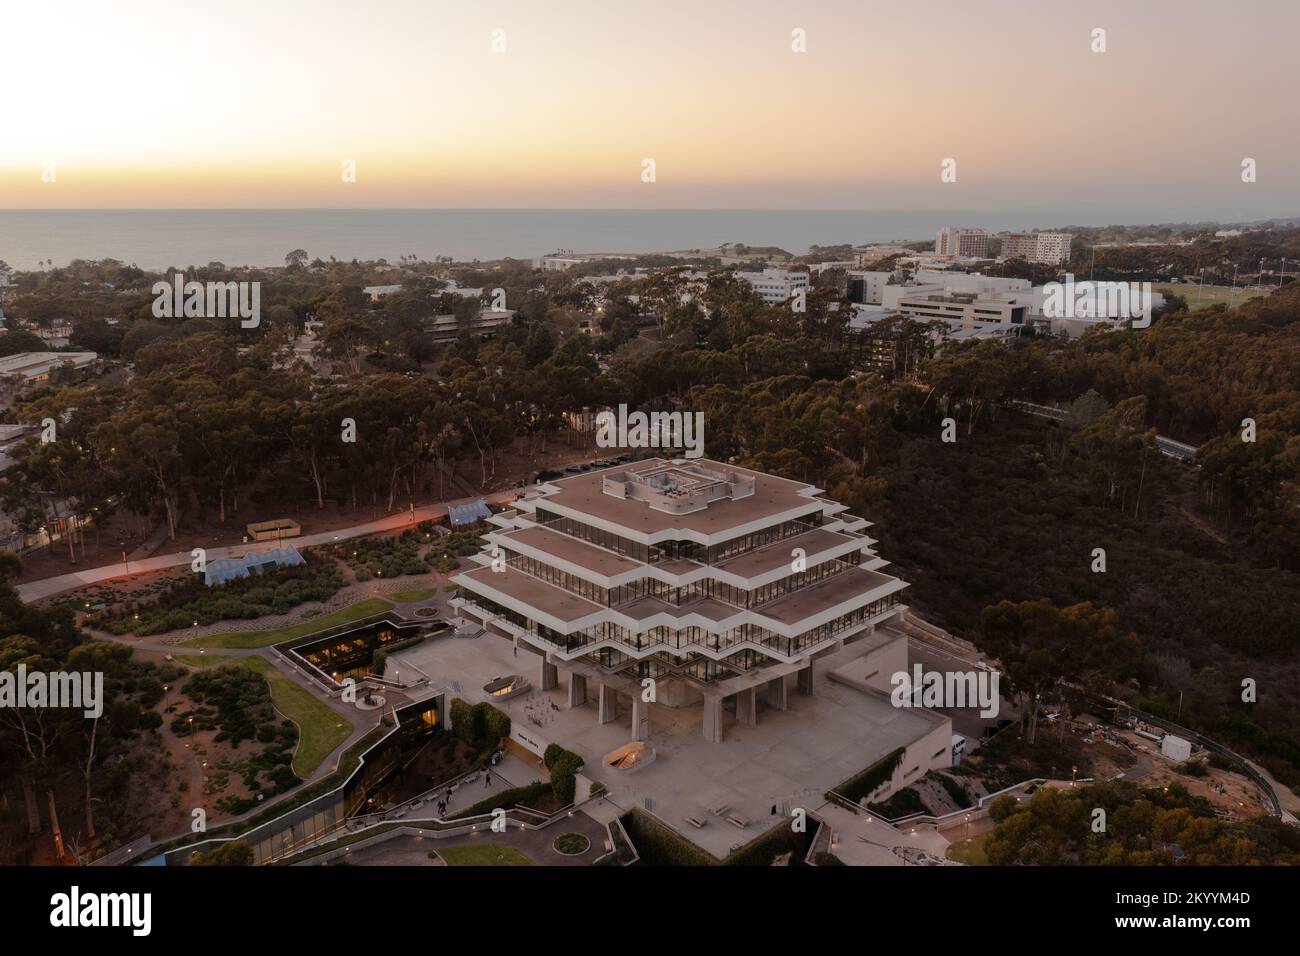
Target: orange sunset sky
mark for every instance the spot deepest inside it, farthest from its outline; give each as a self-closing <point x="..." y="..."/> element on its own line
<point x="250" y="103"/>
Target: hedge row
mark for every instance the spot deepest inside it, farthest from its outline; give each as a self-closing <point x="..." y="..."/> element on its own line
<point x="563" y="765"/>
<point x="782" y="838"/>
<point x="656" y="845"/>
<point x="480" y="727"/>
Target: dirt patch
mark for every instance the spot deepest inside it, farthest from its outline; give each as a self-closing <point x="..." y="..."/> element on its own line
<point x="1204" y="528"/>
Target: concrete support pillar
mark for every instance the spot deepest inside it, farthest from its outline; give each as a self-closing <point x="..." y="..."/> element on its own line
<point x="550" y="675"/>
<point x="608" y="709"/>
<point x="713" y="719"/>
<point x="747" y="706"/>
<point x="577" y="690"/>
<point x="806" y="680"/>
<point x="640" y="718"/>
<point x="777" y="693"/>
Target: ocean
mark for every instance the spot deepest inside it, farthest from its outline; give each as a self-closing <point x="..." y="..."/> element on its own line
<point x="157" y="238"/>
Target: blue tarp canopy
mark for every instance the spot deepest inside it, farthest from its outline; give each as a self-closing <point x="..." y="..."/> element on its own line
<point x="224" y="570"/>
<point x="468" y="514"/>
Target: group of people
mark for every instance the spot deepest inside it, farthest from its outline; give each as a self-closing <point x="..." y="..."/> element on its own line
<point x="445" y="800"/>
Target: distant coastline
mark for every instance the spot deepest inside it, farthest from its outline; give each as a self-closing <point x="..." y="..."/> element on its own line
<point x="156" y="239"/>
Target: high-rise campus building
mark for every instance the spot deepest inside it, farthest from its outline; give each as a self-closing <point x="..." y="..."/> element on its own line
<point x="964" y="243"/>
<point x="719" y="583"/>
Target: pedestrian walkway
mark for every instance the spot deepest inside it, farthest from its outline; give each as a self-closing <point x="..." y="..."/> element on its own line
<point x="35" y="590"/>
<point x="511" y="772"/>
<point x="862" y="840"/>
<point x="537" y="845"/>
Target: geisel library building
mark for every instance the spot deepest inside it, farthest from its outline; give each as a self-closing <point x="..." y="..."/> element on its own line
<point x="726" y="586"/>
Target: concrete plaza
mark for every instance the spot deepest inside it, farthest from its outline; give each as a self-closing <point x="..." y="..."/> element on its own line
<point x="787" y="759"/>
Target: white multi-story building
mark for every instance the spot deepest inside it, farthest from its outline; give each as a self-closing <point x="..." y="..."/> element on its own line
<point x="679" y="573"/>
<point x="963" y="243"/>
<point x="929" y="282"/>
<point x="966" y="309"/>
<point x="868" y="288"/>
<point x="558" y="263"/>
<point x="817" y="268"/>
<point x="990" y="304"/>
<point x="775" y="286"/>
<point x="447" y="328"/>
<point x="1048" y="248"/>
<point x="970" y="282"/>
<point x="34" y="368"/>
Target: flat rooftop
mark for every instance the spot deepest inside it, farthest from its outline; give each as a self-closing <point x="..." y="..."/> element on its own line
<point x="771" y="496"/>
<point x="35" y="364"/>
<point x="573" y="550"/>
<point x="556" y="602"/>
<point x="800" y="605"/>
<point x="643" y="608"/>
<point x="789" y="609"/>
<point x="778" y="554"/>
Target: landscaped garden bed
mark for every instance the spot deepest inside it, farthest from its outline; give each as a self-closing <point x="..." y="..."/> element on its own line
<point x="387" y="557"/>
<point x="189" y="601"/>
<point x="235" y="702"/>
<point x="445" y="554"/>
<point x="571" y="844"/>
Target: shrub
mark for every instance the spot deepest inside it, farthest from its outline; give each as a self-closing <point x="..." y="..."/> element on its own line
<point x="496" y="725"/>
<point x="462" y="722"/>
<point x="480" y="727"/>
<point x="563" y="765"/>
<point x="1002" y="807"/>
<point x="188" y="600"/>
<point x="870" y="780"/>
<point x="1220" y="762"/>
<point x="234" y="853"/>
<point x="571" y="844"/>
<point x="901" y="804"/>
<point x="956" y="791"/>
<point x="762" y="850"/>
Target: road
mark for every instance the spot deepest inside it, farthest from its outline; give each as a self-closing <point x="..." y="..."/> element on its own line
<point x="1170" y="448"/>
<point x="35" y="590"/>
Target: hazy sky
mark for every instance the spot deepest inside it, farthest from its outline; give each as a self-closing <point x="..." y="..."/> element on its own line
<point x="256" y="103"/>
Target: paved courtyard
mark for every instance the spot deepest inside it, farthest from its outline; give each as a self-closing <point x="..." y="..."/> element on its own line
<point x="788" y="760"/>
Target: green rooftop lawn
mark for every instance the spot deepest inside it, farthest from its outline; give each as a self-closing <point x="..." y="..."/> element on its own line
<point x="250" y="639"/>
<point x="320" y="729"/>
<point x="413" y="594"/>
<point x="483" y="854"/>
